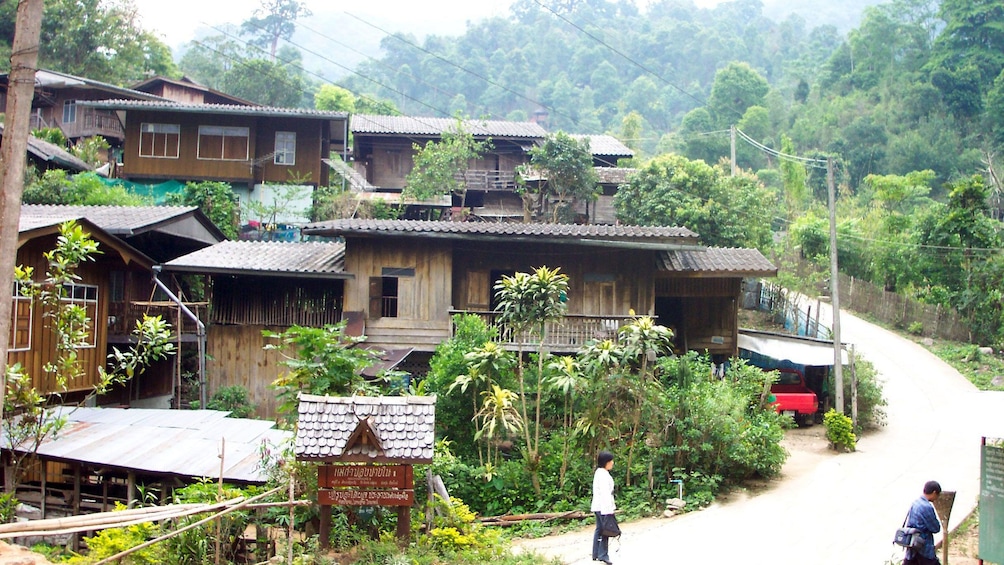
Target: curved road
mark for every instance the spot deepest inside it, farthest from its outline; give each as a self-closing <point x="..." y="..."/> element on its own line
<point x="830" y="508"/>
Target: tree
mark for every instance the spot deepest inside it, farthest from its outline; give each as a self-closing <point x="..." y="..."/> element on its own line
<point x="672" y="190"/>
<point x="274" y="20"/>
<point x="565" y="166"/>
<point x="441" y="166"/>
<point x="526" y="304"/>
<point x="208" y="60"/>
<point x="736" y="88"/>
<point x="973" y="35"/>
<point x="101" y="41"/>
<point x="796" y="193"/>
<point x="334" y="99"/>
<point x="265" y="82"/>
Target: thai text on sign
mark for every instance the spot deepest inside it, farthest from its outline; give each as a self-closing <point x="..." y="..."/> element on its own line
<point x="366" y="497"/>
<point x="365" y="476"/>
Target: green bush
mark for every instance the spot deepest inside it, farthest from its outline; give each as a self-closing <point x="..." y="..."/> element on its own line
<point x="839" y="431"/>
<point x="233" y="399"/>
<point x="916" y="328"/>
<point x="111" y="541"/>
<point x="871" y="402"/>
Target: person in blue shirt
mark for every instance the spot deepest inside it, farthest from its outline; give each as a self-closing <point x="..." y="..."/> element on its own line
<point x="923" y="517"/>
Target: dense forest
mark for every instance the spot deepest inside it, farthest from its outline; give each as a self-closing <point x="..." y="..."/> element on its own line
<point x="908" y="103"/>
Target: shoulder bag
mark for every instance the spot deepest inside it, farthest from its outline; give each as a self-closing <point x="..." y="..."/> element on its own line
<point x="608" y="526"/>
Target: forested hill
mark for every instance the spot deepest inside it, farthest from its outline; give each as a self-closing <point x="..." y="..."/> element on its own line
<point x="592" y="62"/>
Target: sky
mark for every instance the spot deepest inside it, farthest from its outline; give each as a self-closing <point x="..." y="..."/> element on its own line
<point x="178" y="21"/>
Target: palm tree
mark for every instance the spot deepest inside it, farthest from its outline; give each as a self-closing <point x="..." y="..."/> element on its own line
<point x="498" y="415"/>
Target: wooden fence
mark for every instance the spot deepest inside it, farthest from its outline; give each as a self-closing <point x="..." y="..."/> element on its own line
<point x="800" y="314"/>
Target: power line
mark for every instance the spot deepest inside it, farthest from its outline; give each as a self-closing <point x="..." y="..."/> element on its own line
<point x="816" y="163"/>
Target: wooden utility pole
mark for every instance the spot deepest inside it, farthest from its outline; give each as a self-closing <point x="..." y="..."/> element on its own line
<point x="20" y="91"/>
<point x="838" y="375"/>
<point x="732" y="136"/>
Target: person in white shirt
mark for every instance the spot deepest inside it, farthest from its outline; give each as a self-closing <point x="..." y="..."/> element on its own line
<point x="603" y="503"/>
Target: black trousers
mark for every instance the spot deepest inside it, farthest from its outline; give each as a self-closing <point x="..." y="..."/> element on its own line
<point x="919" y="559"/>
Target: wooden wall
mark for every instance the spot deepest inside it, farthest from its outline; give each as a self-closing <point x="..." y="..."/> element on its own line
<point x="236" y="356"/>
<point x="310" y="138"/>
<point x="602" y="281"/>
<point x="424" y="300"/>
<point x="709" y="312"/>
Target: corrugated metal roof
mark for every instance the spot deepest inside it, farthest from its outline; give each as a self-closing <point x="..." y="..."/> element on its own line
<point x="227" y="109"/>
<point x="116" y="220"/>
<point x="308" y="259"/>
<point x="52" y="153"/>
<point x="718" y="260"/>
<point x="409" y="125"/>
<point x="405" y="426"/>
<point x="605" y="145"/>
<point x="166" y="442"/>
<point x="571" y="233"/>
<point x="54" y="80"/>
<point x="613" y="175"/>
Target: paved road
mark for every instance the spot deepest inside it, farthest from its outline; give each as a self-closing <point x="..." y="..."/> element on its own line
<point x="835" y="508"/>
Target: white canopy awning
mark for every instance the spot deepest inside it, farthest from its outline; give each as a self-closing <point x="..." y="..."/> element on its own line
<point x="797" y="349"/>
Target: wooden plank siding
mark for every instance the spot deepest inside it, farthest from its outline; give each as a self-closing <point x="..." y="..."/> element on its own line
<point x="710" y="312"/>
<point x="258" y="167"/>
<point x="236" y="356"/>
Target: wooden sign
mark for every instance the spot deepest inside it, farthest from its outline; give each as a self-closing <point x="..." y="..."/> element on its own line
<point x="366" y="497"/>
<point x="365" y="476"/>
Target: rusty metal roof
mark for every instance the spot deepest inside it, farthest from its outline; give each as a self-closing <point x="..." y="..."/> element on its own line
<point x="435" y="127"/>
<point x="184" y="443"/>
<point x="716" y="261"/>
<point x="404" y="425"/>
<point x="304" y="259"/>
<point x="590" y="234"/>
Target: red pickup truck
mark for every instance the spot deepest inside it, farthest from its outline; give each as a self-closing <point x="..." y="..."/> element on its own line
<point x="793" y="397"/>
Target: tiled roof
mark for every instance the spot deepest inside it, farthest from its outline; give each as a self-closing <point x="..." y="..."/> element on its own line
<point x="313" y="259"/>
<point x="228" y="109"/>
<point x="506" y="231"/>
<point x="605" y="145"/>
<point x="716" y="261"/>
<point x="116" y="220"/>
<point x="54" y="154"/>
<point x="404" y="426"/>
<point x="409" y="125"/>
<point x="613" y="175"/>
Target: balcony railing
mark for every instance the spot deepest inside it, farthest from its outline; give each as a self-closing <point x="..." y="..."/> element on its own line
<point x="569" y="334"/>
<point x="488" y="180"/>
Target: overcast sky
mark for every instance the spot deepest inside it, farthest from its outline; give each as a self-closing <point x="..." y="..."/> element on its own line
<point x="177" y="21"/>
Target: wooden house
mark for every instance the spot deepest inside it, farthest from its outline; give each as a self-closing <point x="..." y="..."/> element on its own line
<point x="116" y="288"/>
<point x="187" y="91"/>
<point x="252" y="148"/>
<point x="57" y="105"/>
<point x="400" y="282"/>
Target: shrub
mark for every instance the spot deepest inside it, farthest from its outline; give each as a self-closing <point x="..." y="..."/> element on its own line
<point x="233" y="399"/>
<point x="111" y="541"/>
<point x="916" y="328"/>
<point x="871" y="402"/>
<point x="839" y="431"/>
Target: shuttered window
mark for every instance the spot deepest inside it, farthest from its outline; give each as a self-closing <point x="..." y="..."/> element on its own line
<point x="223" y="143"/>
<point x="159" y="140"/>
<point x="20" y="321"/>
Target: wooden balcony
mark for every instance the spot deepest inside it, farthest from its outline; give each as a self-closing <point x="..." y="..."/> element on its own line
<point x="568" y="335"/>
<point x="485" y="180"/>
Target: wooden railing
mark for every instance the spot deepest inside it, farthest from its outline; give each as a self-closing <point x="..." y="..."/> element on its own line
<point x="488" y="180"/>
<point x="570" y="334"/>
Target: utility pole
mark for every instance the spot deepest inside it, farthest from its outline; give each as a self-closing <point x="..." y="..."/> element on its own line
<point x="732" y="135"/>
<point x="838" y="377"/>
<point x="20" y="91"/>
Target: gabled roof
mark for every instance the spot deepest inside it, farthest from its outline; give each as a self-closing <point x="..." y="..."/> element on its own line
<point x="266" y="258"/>
<point x="182" y="443"/>
<point x="405" y="426"/>
<point x="33" y="227"/>
<point x="718" y="261"/>
<point x="219" y="109"/>
<point x="185" y="82"/>
<point x="53" y="80"/>
<point x="129" y="221"/>
<point x="51" y="153"/>
<point x="594" y="235"/>
<point x="362" y="124"/>
<point x="606" y="145"/>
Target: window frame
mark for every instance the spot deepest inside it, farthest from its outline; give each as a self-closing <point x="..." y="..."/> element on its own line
<point x="69" y="111"/>
<point x="80" y="295"/>
<point x="288" y="153"/>
<point x="16" y="300"/>
<point x="224" y="133"/>
<point x="154" y="126"/>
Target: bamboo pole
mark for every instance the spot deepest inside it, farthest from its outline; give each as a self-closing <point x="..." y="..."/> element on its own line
<point x="55" y="526"/>
<point x="219" y="496"/>
<point x="145" y="545"/>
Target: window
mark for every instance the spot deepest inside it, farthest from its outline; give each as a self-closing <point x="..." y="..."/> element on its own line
<point x="159" y="140"/>
<point x="69" y="111"/>
<point x="20" y="321"/>
<point x="384" y="292"/>
<point x="85" y="297"/>
<point x="285" y="148"/>
<point x="223" y="143"/>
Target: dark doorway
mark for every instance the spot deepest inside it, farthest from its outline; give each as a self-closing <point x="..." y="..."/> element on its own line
<point x="496" y="276"/>
<point x="669" y="313"/>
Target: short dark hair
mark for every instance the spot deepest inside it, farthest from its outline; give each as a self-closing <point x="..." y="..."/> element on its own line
<point x="604" y="457"/>
<point x="931" y="487"/>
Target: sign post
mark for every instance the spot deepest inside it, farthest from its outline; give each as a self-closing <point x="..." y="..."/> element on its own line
<point x="991" y="503"/>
